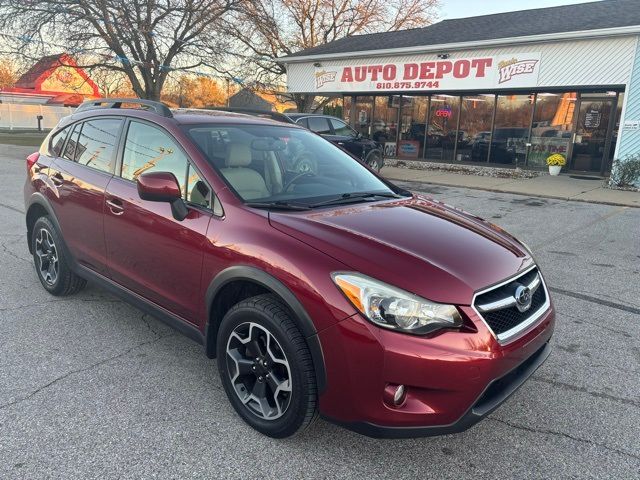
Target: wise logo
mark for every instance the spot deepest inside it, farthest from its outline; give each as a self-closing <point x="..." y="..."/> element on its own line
<point x="508" y="69"/>
<point x="323" y="77"/>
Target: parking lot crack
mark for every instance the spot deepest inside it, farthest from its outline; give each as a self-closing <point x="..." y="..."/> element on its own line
<point x="81" y="370"/>
<point x="565" y="435"/>
<point x="623" y="333"/>
<point x="575" y="388"/>
<point x="12" y="254"/>
<point x="145" y="319"/>
<point x="10" y="207"/>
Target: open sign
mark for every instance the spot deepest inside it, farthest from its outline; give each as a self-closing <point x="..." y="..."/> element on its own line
<point x="444" y="112"/>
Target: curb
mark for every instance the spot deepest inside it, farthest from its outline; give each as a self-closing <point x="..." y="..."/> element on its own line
<point x="496" y="190"/>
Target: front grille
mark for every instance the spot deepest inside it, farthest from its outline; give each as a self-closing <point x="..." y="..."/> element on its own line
<point x="499" y="309"/>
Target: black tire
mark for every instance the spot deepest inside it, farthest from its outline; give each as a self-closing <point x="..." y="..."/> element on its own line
<point x="66" y="282"/>
<point x="270" y="315"/>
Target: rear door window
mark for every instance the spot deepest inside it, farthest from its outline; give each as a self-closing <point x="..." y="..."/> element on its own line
<point x="97" y="143"/>
<point x="57" y="142"/>
<point x="319" y="125"/>
<point x="70" y="149"/>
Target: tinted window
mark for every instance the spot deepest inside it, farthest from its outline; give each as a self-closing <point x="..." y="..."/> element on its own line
<point x="70" y="149"/>
<point x="319" y="125"/>
<point x="303" y="122"/>
<point x="97" y="143"/>
<point x="149" y="149"/>
<point x="57" y="142"/>
<point x="341" y="128"/>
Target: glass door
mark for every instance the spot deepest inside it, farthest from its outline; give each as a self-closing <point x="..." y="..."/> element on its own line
<point x="591" y="134"/>
<point x="363" y="113"/>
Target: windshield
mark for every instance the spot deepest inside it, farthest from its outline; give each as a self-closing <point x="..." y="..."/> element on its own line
<point x="284" y="165"/>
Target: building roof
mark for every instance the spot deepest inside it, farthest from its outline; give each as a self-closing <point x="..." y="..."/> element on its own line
<point x="34" y="79"/>
<point x="524" y="23"/>
<point x="31" y="76"/>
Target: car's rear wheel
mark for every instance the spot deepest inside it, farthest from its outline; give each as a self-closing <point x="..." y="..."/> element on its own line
<point x="266" y="368"/>
<point x="52" y="265"/>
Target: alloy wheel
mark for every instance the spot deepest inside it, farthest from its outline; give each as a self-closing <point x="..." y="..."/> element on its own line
<point x="47" y="254"/>
<point x="259" y="371"/>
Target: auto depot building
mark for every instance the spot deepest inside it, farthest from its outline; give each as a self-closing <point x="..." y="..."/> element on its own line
<point x="502" y="90"/>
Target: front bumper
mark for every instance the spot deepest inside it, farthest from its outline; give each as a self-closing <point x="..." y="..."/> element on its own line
<point x="493" y="396"/>
<point x="453" y="379"/>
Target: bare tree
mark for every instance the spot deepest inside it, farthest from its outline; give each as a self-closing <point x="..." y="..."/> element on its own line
<point x="143" y="39"/>
<point x="266" y="30"/>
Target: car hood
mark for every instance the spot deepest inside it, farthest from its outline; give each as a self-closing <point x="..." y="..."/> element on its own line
<point x="417" y="244"/>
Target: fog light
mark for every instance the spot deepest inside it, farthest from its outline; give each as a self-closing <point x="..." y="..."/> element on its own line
<point x="394" y="395"/>
<point x="398" y="395"/>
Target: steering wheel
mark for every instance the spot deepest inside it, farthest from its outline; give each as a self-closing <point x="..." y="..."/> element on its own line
<point x="295" y="179"/>
<point x="305" y="163"/>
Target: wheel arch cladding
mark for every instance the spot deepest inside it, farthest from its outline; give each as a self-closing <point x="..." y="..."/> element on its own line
<point x="39" y="207"/>
<point x="239" y="282"/>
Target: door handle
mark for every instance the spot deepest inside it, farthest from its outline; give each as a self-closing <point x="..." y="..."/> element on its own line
<point x="116" y="207"/>
<point x="57" y="179"/>
<point x="340" y="143"/>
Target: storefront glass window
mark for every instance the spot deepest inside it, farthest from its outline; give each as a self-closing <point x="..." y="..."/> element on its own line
<point x="363" y="114"/>
<point x="346" y="109"/>
<point x="385" y="123"/>
<point x="474" y="134"/>
<point x="511" y="130"/>
<point x="413" y="127"/>
<point x="552" y="129"/>
<point x="334" y="108"/>
<point x="443" y="123"/>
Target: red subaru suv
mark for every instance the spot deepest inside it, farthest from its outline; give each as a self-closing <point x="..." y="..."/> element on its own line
<point x="326" y="291"/>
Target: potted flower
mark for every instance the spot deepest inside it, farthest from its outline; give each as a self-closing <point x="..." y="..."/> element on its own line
<point x="556" y="162"/>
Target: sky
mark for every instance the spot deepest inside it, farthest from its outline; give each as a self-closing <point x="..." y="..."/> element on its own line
<point x="472" y="8"/>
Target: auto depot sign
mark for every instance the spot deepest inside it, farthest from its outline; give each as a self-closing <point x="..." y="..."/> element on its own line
<point x="505" y="71"/>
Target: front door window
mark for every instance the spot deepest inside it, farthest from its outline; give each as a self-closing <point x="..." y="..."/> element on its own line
<point x="591" y="134"/>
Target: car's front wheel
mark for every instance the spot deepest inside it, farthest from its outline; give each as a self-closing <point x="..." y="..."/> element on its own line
<point x="266" y="368"/>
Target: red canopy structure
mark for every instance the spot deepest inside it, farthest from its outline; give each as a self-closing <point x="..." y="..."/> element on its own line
<point x="53" y="80"/>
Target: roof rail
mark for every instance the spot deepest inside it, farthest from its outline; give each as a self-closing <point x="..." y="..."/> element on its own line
<point x="157" y="107"/>
<point x="256" y="112"/>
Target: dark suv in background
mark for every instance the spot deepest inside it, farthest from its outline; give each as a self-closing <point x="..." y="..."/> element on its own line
<point x="337" y="131"/>
<point x="327" y="291"/>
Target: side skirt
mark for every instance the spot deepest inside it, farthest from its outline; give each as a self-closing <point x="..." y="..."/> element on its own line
<point x="142" y="303"/>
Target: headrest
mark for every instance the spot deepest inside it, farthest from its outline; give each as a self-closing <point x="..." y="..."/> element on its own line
<point x="238" y="155"/>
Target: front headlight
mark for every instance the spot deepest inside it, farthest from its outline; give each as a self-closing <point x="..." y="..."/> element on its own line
<point x="392" y="308"/>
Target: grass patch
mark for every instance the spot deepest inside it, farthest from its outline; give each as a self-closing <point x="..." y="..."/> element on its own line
<point x="23" y="139"/>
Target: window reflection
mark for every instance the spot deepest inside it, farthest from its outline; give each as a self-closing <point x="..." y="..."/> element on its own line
<point x="474" y="136"/>
<point x="441" y="131"/>
<point x="414" y="118"/>
<point x="552" y="127"/>
<point x="511" y="131"/>
<point x="346" y="109"/>
<point x="385" y="123"/>
<point x="363" y="113"/>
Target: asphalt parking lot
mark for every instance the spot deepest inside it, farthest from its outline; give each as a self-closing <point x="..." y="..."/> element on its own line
<point x="90" y="387"/>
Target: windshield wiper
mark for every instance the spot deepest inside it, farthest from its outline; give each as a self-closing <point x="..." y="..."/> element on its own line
<point x="279" y="204"/>
<point x="350" y="197"/>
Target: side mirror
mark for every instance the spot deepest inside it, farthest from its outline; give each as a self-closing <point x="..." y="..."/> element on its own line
<point x="162" y="187"/>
